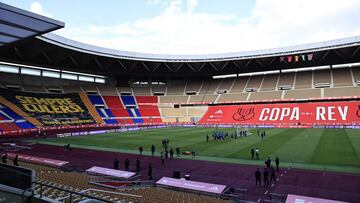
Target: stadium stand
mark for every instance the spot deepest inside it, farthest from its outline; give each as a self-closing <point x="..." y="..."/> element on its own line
<point x="265" y="95"/>
<point x="209" y="86"/>
<point x="126" y="91"/>
<point x="226" y="84"/>
<point x="57" y="184"/>
<point x="356" y="74"/>
<point x="270" y="82"/>
<point x="108" y="90"/>
<point x="302" y="94"/>
<point x="173" y="112"/>
<point x="173" y="99"/>
<point x="341" y="92"/>
<point x="304" y="80"/>
<point x="286" y="80"/>
<point x="141" y="91"/>
<point x="342" y="77"/>
<point x="233" y="97"/>
<point x="123" y="90"/>
<point x="197" y="112"/>
<point x="254" y="83"/>
<point x="116" y="113"/>
<point x="148" y="107"/>
<point x="106" y="106"/>
<point x="322" y="77"/>
<point x="160" y="90"/>
<point x="239" y="84"/>
<point x="72" y="89"/>
<point x="193" y="86"/>
<point x="176" y="88"/>
<point x="204" y="98"/>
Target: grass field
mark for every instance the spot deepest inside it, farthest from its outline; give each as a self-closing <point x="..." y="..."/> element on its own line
<point x="324" y="149"/>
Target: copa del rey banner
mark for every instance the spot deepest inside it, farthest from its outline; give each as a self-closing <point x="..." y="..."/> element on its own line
<point x="316" y="113"/>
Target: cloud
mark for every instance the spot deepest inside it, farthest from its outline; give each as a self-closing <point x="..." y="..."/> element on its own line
<point x="36" y="7"/>
<point x="179" y="29"/>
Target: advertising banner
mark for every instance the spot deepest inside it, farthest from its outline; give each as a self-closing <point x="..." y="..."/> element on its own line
<point x="303" y="199"/>
<point x="51" y="109"/>
<point x="314" y="113"/>
<point x="192" y="185"/>
<point x="110" y="172"/>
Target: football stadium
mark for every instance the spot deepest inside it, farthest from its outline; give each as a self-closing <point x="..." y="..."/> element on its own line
<point x="84" y="123"/>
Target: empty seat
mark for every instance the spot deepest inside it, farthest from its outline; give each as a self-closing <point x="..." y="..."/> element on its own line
<point x="303" y="80"/>
<point x="108" y="91"/>
<point x="269" y="83"/>
<point x="226" y="84"/>
<point x="356" y="73"/>
<point x="141" y="91"/>
<point x="193" y="85"/>
<point x="173" y="99"/>
<point x="89" y="88"/>
<point x="158" y="89"/>
<point x="124" y="90"/>
<point x="342" y="77"/>
<point x="239" y="84"/>
<point x="342" y="92"/>
<point x="302" y="94"/>
<point x="286" y="79"/>
<point x="254" y="82"/>
<point x="206" y="98"/>
<point x="173" y="112"/>
<point x="32" y="88"/>
<point x="176" y="88"/>
<point x="72" y="89"/>
<point x="209" y="86"/>
<point x="322" y="76"/>
<point x="265" y="95"/>
<point x="232" y="97"/>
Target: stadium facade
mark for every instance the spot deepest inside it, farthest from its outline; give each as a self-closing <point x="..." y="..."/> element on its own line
<point x="108" y="87"/>
<point x="51" y="86"/>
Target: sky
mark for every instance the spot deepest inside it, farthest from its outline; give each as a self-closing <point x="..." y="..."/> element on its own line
<point x="199" y="26"/>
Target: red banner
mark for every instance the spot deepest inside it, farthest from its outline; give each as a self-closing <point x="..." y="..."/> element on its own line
<point x="315" y="113"/>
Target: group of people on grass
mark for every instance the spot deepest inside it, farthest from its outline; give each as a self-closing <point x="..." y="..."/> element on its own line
<point x="261" y="134"/>
<point x="222" y="135"/>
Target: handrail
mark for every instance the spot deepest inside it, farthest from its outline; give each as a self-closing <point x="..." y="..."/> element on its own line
<point x="118" y="193"/>
<point x="23" y="193"/>
<point x="69" y="191"/>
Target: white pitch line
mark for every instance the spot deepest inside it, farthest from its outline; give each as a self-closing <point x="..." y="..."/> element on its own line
<point x="259" y="200"/>
<point x="266" y="192"/>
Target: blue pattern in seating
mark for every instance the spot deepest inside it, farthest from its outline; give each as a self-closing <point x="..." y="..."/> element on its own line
<point x="111" y="121"/>
<point x="136" y="118"/>
<point x="96" y="99"/>
<point x="24" y="125"/>
<point x="128" y="100"/>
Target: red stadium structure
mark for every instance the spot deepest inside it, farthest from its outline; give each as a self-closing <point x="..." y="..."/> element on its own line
<point x="51" y="86"/>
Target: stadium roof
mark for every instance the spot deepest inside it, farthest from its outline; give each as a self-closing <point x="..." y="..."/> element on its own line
<point x="96" y="50"/>
<point x="17" y="24"/>
<point x="53" y="51"/>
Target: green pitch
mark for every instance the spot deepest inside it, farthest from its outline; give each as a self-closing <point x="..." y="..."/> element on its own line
<point x="323" y="149"/>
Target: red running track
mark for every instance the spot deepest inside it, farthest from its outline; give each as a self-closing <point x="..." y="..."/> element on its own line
<point x="328" y="185"/>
